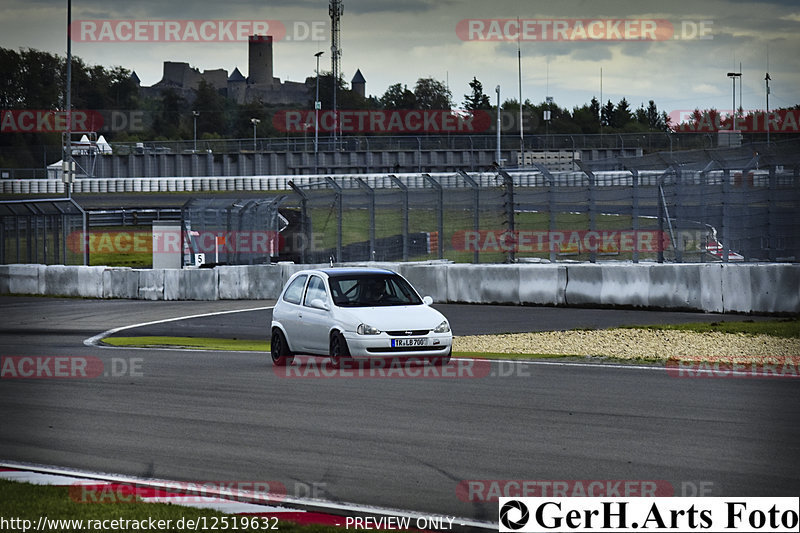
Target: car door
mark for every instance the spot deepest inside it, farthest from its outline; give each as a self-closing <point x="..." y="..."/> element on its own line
<point x="316" y="322"/>
<point x="291" y="313"/>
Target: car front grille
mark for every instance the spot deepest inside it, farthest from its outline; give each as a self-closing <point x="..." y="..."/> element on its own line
<point x="409" y="333"/>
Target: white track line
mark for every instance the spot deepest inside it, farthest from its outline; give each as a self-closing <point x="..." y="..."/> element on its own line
<point x="92" y="341"/>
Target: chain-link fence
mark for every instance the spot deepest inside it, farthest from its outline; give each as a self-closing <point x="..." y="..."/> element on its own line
<point x="733" y="205"/>
<point x="42" y="231"/>
<point x="232" y="232"/>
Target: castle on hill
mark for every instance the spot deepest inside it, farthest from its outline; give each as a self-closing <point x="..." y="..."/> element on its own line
<point x="260" y="85"/>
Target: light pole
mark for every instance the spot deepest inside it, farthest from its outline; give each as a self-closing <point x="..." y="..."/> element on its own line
<point x="497" y="89"/>
<point x="766" y="80"/>
<point x="733" y="76"/>
<point x="195" y="114"/>
<point x="317" y="106"/>
<point x="255" y="122"/>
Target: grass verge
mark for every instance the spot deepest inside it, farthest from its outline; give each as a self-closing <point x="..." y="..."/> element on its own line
<point x="203" y="343"/>
<point x="27" y="502"/>
<point x="786" y="328"/>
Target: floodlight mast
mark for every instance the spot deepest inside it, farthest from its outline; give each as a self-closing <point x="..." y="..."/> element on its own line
<point x="335" y="9"/>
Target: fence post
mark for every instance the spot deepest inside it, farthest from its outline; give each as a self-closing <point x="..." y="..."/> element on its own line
<point x="371" y="194"/>
<point x="724" y="231"/>
<point x="551" y="206"/>
<point x="476" y="209"/>
<point x="339" y="216"/>
<point x="403" y="188"/>
<point x="508" y="192"/>
<point x="440" y="212"/>
<point x="635" y="211"/>
<point x="772" y="201"/>
<point x="303" y="219"/>
<point x="592" y="207"/>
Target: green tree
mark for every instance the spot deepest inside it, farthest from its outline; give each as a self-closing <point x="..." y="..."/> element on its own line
<point x="621" y="115"/>
<point x="432" y="94"/>
<point x="398" y="97"/>
<point x="211" y="106"/>
<point x="477" y="99"/>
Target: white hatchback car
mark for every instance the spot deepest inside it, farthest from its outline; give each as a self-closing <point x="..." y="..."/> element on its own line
<point x="359" y="313"/>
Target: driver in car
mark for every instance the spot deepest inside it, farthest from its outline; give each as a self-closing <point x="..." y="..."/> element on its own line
<point x="374" y="290"/>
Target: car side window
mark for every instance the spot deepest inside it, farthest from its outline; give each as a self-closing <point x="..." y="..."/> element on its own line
<point x="316" y="289"/>
<point x="294" y="292"/>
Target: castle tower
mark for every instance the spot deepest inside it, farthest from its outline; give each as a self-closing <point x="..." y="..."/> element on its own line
<point x="260" y="59"/>
<point x="359" y="84"/>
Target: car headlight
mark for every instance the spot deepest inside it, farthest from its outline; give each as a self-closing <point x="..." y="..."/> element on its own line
<point x="364" y="329"/>
<point x="444" y="327"/>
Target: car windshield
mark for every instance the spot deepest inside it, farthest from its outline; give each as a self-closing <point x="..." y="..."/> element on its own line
<point x="370" y="290"/>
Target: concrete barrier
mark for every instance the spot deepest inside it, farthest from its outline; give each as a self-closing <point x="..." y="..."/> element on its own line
<point x="199" y="284"/>
<point x="90" y="281"/>
<point x="249" y="282"/>
<point x="543" y="284"/>
<point x="61" y="280"/>
<point x="584" y="284"/>
<point x="428" y="279"/>
<point x="151" y="284"/>
<point x="775" y="287"/>
<point x="710" y="287"/>
<point x="120" y="282"/>
<point x="483" y="283"/>
<point x="625" y="286"/>
<point x="25" y="279"/>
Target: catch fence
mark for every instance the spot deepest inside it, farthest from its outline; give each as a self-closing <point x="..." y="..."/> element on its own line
<point x="733" y="205"/>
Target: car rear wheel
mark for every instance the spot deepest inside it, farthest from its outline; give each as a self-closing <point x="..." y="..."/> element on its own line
<point x="279" y="349"/>
<point x="338" y="350"/>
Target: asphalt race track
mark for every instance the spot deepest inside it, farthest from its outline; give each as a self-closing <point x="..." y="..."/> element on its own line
<point x="405" y="443"/>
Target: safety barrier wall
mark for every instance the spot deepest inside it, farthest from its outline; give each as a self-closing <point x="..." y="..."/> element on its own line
<point x="708" y="287"/>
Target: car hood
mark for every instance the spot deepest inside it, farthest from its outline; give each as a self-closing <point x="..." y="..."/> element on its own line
<point x="392" y="318"/>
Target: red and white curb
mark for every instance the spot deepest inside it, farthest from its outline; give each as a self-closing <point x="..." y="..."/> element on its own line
<point x="98" y="487"/>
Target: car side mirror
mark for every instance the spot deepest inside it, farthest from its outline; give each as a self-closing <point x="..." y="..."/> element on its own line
<point x="317" y="303"/>
<point x="427" y="300"/>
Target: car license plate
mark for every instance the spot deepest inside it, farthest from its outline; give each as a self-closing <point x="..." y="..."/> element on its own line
<point x="405" y="343"/>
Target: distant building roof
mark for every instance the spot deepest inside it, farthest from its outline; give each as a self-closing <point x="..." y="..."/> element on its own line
<point x="358" y="78"/>
<point x="236" y="75"/>
<point x="135" y="78"/>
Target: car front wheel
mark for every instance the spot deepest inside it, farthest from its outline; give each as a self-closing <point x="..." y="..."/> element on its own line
<point x="441" y="361"/>
<point x="338" y="350"/>
<point x="279" y="349"/>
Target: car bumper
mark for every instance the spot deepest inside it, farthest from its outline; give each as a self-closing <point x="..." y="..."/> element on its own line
<point x="381" y="346"/>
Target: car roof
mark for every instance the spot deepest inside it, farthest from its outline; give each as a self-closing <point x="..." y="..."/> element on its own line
<point x="348" y="271"/>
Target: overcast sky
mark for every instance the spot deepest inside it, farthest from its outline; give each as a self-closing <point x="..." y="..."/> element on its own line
<point x="399" y="41"/>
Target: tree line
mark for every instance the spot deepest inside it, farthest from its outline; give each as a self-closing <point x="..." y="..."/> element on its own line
<point x="32" y="79"/>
